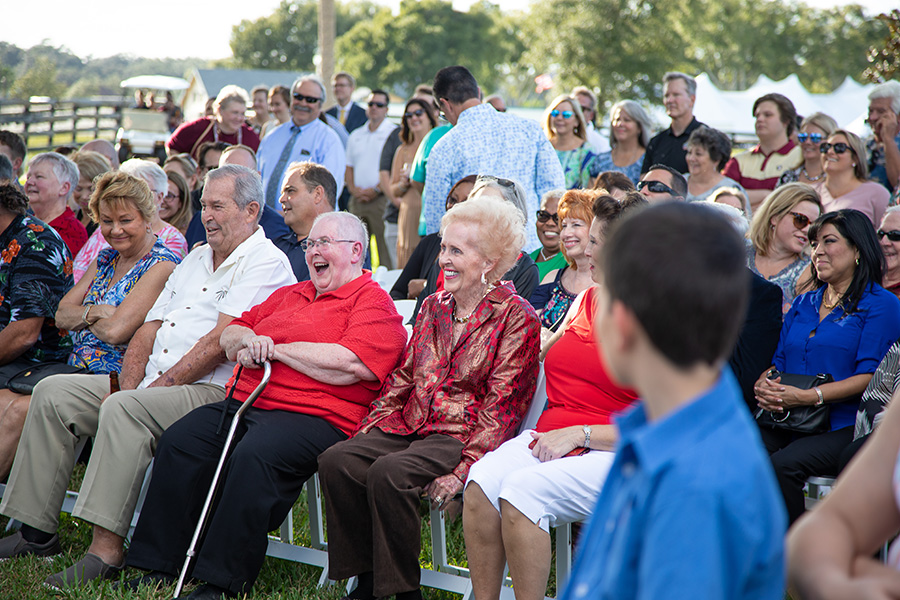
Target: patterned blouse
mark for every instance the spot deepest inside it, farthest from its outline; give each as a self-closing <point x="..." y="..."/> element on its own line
<point x="575" y="165"/>
<point x="553" y="300"/>
<point x="476" y="391"/>
<point x="35" y="273"/>
<point x="90" y="352"/>
<point x="786" y="279"/>
<point x="170" y="237"/>
<point x="604" y="162"/>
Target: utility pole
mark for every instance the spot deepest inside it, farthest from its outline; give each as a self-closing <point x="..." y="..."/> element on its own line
<point x="327" y="30"/>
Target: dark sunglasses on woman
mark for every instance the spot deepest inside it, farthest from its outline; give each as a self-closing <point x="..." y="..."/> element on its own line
<point x="543" y="216"/>
<point x="892" y="235"/>
<point x="800" y="220"/>
<point x="839" y="148"/>
<point x="414" y="113"/>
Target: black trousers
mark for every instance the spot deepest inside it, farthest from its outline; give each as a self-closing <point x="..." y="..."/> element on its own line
<point x="275" y="453"/>
<point x="796" y="457"/>
<point x="372" y="485"/>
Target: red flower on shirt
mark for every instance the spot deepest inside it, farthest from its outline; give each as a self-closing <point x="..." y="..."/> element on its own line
<point x="67" y="267"/>
<point x="11" y="251"/>
<point x="34" y="227"/>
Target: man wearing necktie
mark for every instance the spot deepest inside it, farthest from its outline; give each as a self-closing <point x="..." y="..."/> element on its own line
<point x="305" y="138"/>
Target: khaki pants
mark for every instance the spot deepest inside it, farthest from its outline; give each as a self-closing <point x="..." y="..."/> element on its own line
<point x="125" y="427"/>
<point x="372" y="214"/>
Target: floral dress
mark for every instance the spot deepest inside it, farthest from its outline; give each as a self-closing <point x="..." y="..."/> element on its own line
<point x="90" y="352"/>
<point x="604" y="162"/>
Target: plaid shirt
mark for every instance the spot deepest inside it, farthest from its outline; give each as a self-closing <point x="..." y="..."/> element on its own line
<point x="476" y="392"/>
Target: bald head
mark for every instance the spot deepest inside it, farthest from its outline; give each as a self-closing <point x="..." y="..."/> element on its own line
<point x="238" y="155"/>
<point x="105" y="148"/>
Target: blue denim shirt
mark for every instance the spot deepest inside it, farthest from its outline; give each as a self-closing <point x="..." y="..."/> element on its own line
<point x="690" y="509"/>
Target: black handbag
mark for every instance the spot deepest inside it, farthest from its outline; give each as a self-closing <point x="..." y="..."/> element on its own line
<point x="24" y="381"/>
<point x="802" y="419"/>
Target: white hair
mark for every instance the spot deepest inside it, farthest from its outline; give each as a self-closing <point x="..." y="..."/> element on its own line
<point x="312" y="78"/>
<point x="734" y="216"/>
<point x="63" y="168"/>
<point x="890" y="89"/>
<point x="150" y="172"/>
<point x="231" y="93"/>
<point x="350" y="225"/>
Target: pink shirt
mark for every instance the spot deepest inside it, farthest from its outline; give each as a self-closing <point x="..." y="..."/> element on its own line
<point x="168" y="235"/>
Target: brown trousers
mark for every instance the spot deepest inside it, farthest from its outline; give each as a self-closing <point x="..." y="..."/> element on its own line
<point x="372" y="485"/>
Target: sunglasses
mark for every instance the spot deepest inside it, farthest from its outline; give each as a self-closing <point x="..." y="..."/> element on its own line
<point x="414" y="113"/>
<point x="307" y="99"/>
<point x="815" y="138"/>
<point x="892" y="235"/>
<point x="800" y="220"/>
<point x="543" y="216"/>
<point x="378" y="104"/>
<point x="657" y="187"/>
<point x="566" y="114"/>
<point x="839" y="148"/>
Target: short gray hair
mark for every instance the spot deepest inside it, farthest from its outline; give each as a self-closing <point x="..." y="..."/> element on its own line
<point x="247" y="185"/>
<point x="150" y="172"/>
<point x="636" y="112"/>
<point x="351" y="226"/>
<point x="889" y="89"/>
<point x="312" y="78"/>
<point x="689" y="81"/>
<point x="735" y="217"/>
<point x="64" y="169"/>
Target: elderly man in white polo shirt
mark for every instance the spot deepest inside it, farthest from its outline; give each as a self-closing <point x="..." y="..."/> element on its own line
<point x="367" y="200"/>
<point x="174" y="364"/>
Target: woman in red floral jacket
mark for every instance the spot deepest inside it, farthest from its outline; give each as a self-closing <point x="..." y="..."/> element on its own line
<point x="462" y="387"/>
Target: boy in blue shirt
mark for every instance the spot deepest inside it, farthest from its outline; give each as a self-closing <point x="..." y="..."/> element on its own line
<point x="690" y="508"/>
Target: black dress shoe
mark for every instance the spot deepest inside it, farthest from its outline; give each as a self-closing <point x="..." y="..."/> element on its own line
<point x="153" y="579"/>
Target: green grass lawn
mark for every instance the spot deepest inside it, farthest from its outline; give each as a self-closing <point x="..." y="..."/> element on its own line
<point x="23" y="578"/>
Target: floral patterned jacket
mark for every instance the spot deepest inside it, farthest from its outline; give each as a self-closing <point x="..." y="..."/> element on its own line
<point x="477" y="391"/>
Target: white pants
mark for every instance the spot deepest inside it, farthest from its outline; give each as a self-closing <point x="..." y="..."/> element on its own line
<point x="549" y="493"/>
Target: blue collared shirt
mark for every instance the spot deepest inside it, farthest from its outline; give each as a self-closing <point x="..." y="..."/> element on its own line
<point x="842" y="345"/>
<point x="690" y="509"/>
<point x="487" y="142"/>
<point x="316" y="142"/>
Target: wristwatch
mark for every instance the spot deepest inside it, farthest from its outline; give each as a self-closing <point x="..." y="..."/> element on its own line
<point x="587" y="436"/>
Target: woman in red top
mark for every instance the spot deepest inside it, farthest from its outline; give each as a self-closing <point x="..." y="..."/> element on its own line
<point x="226" y="125"/>
<point x="551" y="474"/>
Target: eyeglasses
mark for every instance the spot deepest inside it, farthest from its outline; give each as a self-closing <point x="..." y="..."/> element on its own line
<point x="586" y="108"/>
<point x="322" y="243"/>
<point x="839" y="148"/>
<point x="543" y="216"/>
<point x="566" y="114"/>
<point x="892" y="235"/>
<point x="800" y="220"/>
<point x="507" y="183"/>
<point x="415" y="113"/>
<point x="171" y="196"/>
<point x="815" y="138"/>
<point x="378" y="104"/>
<point x="208" y="167"/>
<point x="307" y="99"/>
<point x="657" y="187"/>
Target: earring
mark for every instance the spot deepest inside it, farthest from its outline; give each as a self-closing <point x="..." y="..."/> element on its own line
<point x="853" y="164"/>
<point x="483" y="279"/>
<point x="857" y="260"/>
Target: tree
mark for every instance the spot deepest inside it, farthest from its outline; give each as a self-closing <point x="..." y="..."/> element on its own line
<point x="886" y="61"/>
<point x="287" y="39"/>
<point x="620" y="49"/>
<point x="399" y="52"/>
<point x="39" y="80"/>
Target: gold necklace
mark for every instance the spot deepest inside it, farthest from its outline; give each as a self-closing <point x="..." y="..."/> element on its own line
<point x="465" y="319"/>
<point x="833" y="304"/>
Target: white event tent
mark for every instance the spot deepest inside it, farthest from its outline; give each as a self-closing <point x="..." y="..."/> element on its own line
<point x="731" y="111"/>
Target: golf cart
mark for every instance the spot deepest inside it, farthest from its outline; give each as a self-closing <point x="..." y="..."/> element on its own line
<point x="144" y="131"/>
